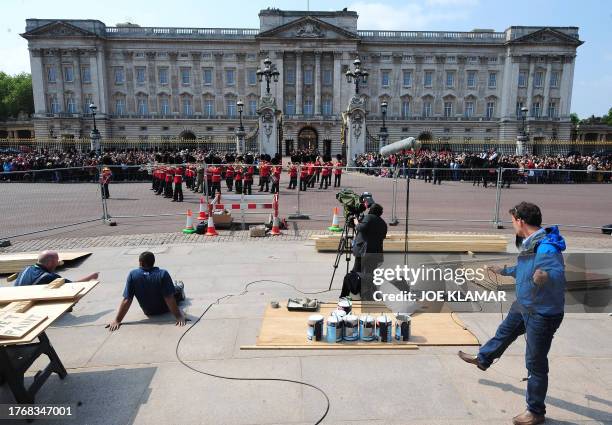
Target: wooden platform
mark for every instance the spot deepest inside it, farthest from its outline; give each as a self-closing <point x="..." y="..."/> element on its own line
<point x="68" y="291"/>
<point x="427" y="242"/>
<point x="14" y="263"/>
<point x="285" y="330"/>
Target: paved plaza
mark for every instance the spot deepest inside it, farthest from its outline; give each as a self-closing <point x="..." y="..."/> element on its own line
<point x="133" y="376"/>
<point x="451" y="206"/>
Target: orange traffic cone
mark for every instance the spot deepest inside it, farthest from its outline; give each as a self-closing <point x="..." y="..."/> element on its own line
<point x="189" y="223"/>
<point x="202" y="215"/>
<point x="335" y="227"/>
<point x="210" y="227"/>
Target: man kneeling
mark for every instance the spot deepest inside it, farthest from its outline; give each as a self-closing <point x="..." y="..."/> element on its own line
<point x="153" y="289"/>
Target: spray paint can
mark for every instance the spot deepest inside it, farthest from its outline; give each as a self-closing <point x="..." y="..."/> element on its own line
<point x="334" y="329"/>
<point x="351" y="328"/>
<point x="384" y="330"/>
<point x="402" y="327"/>
<point x="366" y="328"/>
<point x="345" y="304"/>
<point x="315" y="328"/>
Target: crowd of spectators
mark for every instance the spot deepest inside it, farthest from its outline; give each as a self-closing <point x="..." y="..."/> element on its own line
<point x="132" y="164"/>
<point x="473" y="166"/>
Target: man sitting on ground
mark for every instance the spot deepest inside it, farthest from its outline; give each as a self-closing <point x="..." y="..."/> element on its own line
<point x="43" y="272"/>
<point x="154" y="290"/>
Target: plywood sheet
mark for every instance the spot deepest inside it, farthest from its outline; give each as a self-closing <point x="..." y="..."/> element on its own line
<point x="427" y="243"/>
<point x="52" y="309"/>
<point x="68" y="291"/>
<point x="282" y="328"/>
<point x="14" y="263"/>
<point x="16" y="325"/>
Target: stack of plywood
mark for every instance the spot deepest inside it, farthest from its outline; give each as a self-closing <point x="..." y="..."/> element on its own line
<point x="14" y="263"/>
<point x="427" y="242"/>
<point x="25" y="311"/>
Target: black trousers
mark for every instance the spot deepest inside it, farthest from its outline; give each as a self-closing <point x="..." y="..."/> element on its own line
<point x="238" y="187"/>
<point x="264" y="181"/>
<point x="292" y="183"/>
<point x="178" y="192"/>
<point x="366" y="266"/>
<point x="274" y="188"/>
<point x="311" y="180"/>
<point x="337" y="179"/>
<point x="248" y="187"/>
<point x="105" y="192"/>
<point x="304" y="183"/>
<point x="216" y="187"/>
<point x="230" y="184"/>
<point x="168" y="190"/>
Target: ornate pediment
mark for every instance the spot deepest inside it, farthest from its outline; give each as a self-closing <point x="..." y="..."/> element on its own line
<point x="547" y="36"/>
<point x="310" y="28"/>
<point x="58" y="29"/>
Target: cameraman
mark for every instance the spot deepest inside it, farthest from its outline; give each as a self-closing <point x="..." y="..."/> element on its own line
<point x="368" y="246"/>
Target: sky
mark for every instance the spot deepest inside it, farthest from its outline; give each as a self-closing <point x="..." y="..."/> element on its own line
<point x="592" y="92"/>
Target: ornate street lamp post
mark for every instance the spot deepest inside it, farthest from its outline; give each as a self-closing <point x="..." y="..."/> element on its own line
<point x="95" y="134"/>
<point x="383" y="130"/>
<point x="240" y="132"/>
<point x="268" y="72"/>
<point x="522" y="138"/>
<point x="357" y="75"/>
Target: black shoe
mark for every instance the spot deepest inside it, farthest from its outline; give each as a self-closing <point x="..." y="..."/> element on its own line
<point x="471" y="359"/>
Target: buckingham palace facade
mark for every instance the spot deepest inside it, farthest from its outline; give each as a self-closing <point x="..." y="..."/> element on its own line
<point x="158" y="82"/>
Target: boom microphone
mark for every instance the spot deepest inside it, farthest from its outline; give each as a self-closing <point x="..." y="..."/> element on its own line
<point x="408" y="143"/>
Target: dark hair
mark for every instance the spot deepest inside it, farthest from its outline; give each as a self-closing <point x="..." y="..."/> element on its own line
<point x="528" y="212"/>
<point x="147" y="259"/>
<point x="376" y="209"/>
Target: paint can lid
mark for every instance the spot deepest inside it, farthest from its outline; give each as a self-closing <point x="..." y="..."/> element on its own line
<point x="315" y="318"/>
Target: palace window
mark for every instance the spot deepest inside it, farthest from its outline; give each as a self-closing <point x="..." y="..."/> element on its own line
<point x="140" y="75"/>
<point x="384" y="78"/>
<point x="207" y="76"/>
<point x="230" y="77"/>
<point x="163" y="75"/>
<point x="469" y="109"/>
<point x="68" y="73"/>
<point x="327" y="106"/>
<point x="490" y="109"/>
<point x="522" y="79"/>
<point x="51" y="75"/>
<point x="450" y="79"/>
<point x="448" y="109"/>
<point x="251" y="76"/>
<point x="538" y="78"/>
<point x="554" y="79"/>
<point x="471" y="79"/>
<point x="119" y="75"/>
<point x="426" y="109"/>
<point x="492" y="80"/>
<point x="86" y="74"/>
<point x="290" y="107"/>
<point x="185" y="76"/>
<point x="327" y="77"/>
<point x="428" y="79"/>
<point x="407" y="78"/>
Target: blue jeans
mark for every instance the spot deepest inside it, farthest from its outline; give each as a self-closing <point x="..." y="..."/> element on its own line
<point x="540" y="331"/>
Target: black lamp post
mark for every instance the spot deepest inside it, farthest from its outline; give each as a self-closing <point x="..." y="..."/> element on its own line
<point x="357" y="75"/>
<point x="269" y="73"/>
<point x="240" y="132"/>
<point x="523" y="118"/>
<point x="383" y="130"/>
<point x="95" y="134"/>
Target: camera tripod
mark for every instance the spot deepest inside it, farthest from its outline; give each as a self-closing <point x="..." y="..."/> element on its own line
<point x="345" y="246"/>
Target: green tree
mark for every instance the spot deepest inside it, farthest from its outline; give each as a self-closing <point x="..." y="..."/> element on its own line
<point x="15" y="95"/>
<point x="608" y="118"/>
<point x="574" y="118"/>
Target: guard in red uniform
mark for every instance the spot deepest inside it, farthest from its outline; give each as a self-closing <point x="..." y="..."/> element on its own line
<point x="168" y="185"/>
<point x="238" y="179"/>
<point x="276" y="175"/>
<point x="154" y="180"/>
<point x="318" y="168"/>
<point x="178" y="185"/>
<point x="326" y="174"/>
<point x="229" y="177"/>
<point x="303" y="177"/>
<point x="311" y="174"/>
<point x="264" y="176"/>
<point x="293" y="173"/>
<point x="161" y="176"/>
<point x="248" y="180"/>
<point x="105" y="178"/>
<point x="337" y="174"/>
<point x="216" y="180"/>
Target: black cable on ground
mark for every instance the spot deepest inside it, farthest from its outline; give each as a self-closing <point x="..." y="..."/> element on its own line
<point x="231" y="378"/>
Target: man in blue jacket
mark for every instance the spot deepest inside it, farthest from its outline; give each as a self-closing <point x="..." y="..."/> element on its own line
<point x="538" y="310"/>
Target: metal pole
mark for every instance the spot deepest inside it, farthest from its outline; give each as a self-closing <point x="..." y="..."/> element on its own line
<point x="496" y="221"/>
<point x="205" y="185"/>
<point x="298" y="215"/>
<point x="394" y="221"/>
